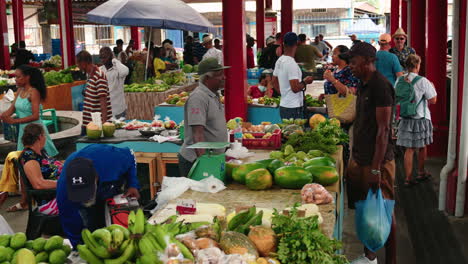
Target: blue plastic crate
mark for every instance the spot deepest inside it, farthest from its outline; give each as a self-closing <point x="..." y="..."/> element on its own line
<point x="10" y="132"/>
<point x="254" y="73"/>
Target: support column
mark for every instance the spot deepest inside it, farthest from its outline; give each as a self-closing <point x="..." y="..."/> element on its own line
<point x="436" y="71"/>
<point x="66" y="32"/>
<point x="268" y="4"/>
<point x="4" y="52"/>
<point x="418" y="31"/>
<point x="404" y="15"/>
<point x="18" y="20"/>
<point x="46" y="37"/>
<point x="235" y="55"/>
<point x="135" y="35"/>
<point x="260" y="24"/>
<point x="394" y="15"/>
<point x="286" y="16"/>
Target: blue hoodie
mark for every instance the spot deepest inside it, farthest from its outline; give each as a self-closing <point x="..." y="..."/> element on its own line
<point x="112" y="164"/>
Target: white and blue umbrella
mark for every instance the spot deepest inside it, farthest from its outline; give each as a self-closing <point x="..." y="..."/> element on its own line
<point x="166" y="14"/>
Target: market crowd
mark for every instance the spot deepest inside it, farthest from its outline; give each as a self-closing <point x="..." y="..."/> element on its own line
<point x="374" y="77"/>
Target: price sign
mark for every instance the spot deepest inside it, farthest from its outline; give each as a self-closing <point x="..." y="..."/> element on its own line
<point x="186" y="206"/>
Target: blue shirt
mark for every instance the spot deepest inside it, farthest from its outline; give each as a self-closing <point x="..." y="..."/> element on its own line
<point x="112" y="165"/>
<point x="388" y="65"/>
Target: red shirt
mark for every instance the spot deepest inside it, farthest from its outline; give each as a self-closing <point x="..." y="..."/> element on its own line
<point x="255" y="92"/>
<point x="250" y="58"/>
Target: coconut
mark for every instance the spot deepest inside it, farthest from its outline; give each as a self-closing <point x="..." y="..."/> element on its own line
<point x="264" y="238"/>
<point x="93" y="131"/>
<point x="108" y="129"/>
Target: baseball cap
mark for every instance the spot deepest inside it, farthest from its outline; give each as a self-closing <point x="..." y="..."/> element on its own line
<point x="209" y="65"/>
<point x="290" y="39"/>
<point x="81" y="179"/>
<point x="362" y="49"/>
<point x="385" y="38"/>
<point x="352" y="35"/>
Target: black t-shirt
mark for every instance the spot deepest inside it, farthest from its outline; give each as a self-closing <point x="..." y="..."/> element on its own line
<point x="23" y="57"/>
<point x="268" y="58"/>
<point x="188" y="53"/>
<point x="377" y="92"/>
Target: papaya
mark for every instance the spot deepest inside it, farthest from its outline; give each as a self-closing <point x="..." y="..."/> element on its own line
<point x="259" y="179"/>
<point x="320" y="161"/>
<point x="18" y="240"/>
<point x="57" y="257"/>
<point x="324" y="175"/>
<point x="239" y="173"/>
<point x="229" y="170"/>
<point x="42" y="257"/>
<point x="55" y="242"/>
<point x="4" y="254"/>
<point x="5" y="240"/>
<point x="265" y="162"/>
<point x="38" y="244"/>
<point x="292" y="177"/>
<point x="25" y="256"/>
<point x="274" y="165"/>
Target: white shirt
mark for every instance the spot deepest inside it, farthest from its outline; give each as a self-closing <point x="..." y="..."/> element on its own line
<point x="214" y="53"/>
<point x="286" y="69"/>
<point x="115" y="79"/>
<point x="425" y="88"/>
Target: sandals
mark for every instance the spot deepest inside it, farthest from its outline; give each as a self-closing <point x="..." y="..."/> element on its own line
<point x="16" y="208"/>
<point x="423" y="176"/>
<point x="409" y="183"/>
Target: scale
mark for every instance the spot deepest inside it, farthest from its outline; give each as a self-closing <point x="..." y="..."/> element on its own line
<point x="209" y="164"/>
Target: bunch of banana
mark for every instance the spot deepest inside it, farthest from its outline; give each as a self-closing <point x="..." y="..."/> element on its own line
<point x="242" y="221"/>
<point x="141" y="243"/>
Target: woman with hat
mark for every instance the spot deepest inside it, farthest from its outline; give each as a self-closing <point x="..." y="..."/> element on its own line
<point x="401" y="49"/>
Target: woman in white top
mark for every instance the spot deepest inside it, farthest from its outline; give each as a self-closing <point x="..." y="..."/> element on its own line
<point x="415" y="133"/>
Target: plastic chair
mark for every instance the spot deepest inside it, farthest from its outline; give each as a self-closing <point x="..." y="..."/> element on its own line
<point x="38" y="223"/>
<point x="52" y="121"/>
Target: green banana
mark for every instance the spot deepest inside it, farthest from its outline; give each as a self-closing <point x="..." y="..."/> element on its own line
<point x="195" y="225"/>
<point x="244" y="229"/>
<point x="183" y="249"/>
<point x="149" y="259"/>
<point x="140" y="222"/>
<point x="146" y="247"/>
<point x="148" y="227"/>
<point x="126" y="255"/>
<point x="241" y="218"/>
<point x="117" y="238"/>
<point x="124" y="245"/>
<point x="121" y="228"/>
<point x="131" y="222"/>
<point x="104" y="236"/>
<point x="171" y="219"/>
<point x="93" y="245"/>
<point x="154" y="242"/>
<point x="160" y="236"/>
<point x="87" y="255"/>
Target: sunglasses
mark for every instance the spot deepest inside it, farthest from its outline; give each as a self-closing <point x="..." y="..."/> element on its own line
<point x="400" y="38"/>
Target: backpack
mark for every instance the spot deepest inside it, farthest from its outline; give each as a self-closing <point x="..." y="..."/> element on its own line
<point x="406" y="96"/>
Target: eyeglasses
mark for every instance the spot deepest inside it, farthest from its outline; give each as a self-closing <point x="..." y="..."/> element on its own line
<point x="400" y="38"/>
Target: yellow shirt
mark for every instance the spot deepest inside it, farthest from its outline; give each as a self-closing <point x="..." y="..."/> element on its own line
<point x="158" y="65"/>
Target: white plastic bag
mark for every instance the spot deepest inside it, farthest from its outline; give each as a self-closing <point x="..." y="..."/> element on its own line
<point x="7" y="100"/>
<point x="5" y="228"/>
<point x="173" y="187"/>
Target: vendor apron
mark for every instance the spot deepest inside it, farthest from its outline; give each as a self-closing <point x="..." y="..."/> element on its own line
<point x="94" y="217"/>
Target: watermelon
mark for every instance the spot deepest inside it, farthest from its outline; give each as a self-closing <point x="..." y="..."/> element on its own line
<point x="320" y="161"/>
<point x="229" y="169"/>
<point x="259" y="179"/>
<point x="265" y="162"/>
<point x="274" y="165"/>
<point x="239" y="173"/>
<point x="324" y="175"/>
<point x="292" y="177"/>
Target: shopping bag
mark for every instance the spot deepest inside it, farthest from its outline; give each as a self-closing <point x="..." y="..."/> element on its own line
<point x="374" y="220"/>
<point x="341" y="107"/>
<point x="6" y="100"/>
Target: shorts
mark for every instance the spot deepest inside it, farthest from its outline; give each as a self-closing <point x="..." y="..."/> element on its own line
<point x="358" y="187"/>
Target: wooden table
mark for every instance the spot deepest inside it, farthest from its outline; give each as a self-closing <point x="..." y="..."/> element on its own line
<point x="237" y="195"/>
<point x="141" y="105"/>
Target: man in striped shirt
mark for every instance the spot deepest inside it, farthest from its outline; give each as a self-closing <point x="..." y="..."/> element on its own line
<point x="96" y="93"/>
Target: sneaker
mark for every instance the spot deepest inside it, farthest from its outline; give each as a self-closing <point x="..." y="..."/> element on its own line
<point x="364" y="260"/>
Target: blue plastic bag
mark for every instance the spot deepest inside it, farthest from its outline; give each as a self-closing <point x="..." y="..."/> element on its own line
<point x="374" y="220"/>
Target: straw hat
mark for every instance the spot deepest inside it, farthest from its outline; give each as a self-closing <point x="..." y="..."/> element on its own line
<point x="206" y="39"/>
<point x="399" y="32"/>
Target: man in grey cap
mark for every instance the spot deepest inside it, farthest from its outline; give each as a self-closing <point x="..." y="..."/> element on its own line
<point x="204" y="119"/>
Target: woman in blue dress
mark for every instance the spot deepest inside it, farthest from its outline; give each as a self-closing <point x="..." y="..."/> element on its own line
<point x="31" y="91"/>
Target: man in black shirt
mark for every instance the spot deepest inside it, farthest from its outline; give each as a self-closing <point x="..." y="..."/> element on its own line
<point x="23" y="56"/>
<point x="372" y="164"/>
<point x="268" y="58"/>
<point x="188" y="50"/>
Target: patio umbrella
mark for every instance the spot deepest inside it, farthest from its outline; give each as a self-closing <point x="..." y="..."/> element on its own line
<point x="166" y="14"/>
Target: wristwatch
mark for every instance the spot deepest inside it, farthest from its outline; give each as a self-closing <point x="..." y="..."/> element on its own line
<point x="375" y="172"/>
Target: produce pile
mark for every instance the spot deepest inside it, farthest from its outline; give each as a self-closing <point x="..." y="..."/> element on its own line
<point x="7" y="81"/>
<point x="188" y="68"/>
<point x="269" y="100"/>
<point x="93" y="131"/>
<point x="146" y="87"/>
<point x="313" y="102"/>
<point x="55" y="78"/>
<point x="241" y="237"/>
<point x="16" y="249"/>
<point x="173" y="78"/>
<point x="177" y="99"/>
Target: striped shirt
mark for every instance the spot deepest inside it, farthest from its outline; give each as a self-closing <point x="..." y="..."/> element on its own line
<point x="96" y="87"/>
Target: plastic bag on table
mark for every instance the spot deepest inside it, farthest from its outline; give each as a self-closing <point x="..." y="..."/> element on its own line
<point x="6" y="101"/>
<point x="316" y="194"/>
<point x="374" y="220"/>
<point x="5" y="228"/>
<point x="173" y="187"/>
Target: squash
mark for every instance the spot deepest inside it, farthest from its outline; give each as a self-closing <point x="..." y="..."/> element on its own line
<point x="236" y="243"/>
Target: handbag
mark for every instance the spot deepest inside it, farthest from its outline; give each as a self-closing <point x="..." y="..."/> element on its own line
<point x="341" y="107"/>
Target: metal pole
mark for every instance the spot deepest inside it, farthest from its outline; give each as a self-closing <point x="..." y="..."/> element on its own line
<point x="148" y="53"/>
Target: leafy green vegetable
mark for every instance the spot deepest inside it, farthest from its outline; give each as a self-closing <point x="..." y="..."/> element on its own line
<point x="332" y="130"/>
<point x="301" y="241"/>
<point x="311" y="140"/>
